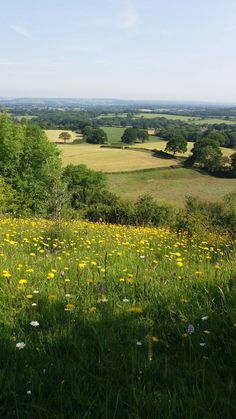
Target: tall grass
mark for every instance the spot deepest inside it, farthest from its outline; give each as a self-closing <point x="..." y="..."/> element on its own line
<point x="128" y="322"/>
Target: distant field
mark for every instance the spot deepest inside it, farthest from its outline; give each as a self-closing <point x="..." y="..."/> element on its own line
<point x="160" y="145"/>
<point x="53" y="135"/>
<point x="191" y="119"/>
<point x="170" y="185"/>
<point x="110" y="159"/>
<point x="27" y="117"/>
<point x="114" y="134"/>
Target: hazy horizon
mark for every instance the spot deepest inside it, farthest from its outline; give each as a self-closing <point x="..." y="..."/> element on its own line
<point x="119" y="49"/>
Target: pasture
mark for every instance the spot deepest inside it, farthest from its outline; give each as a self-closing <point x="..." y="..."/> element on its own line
<point x="114" y="135"/>
<point x="174" y="117"/>
<point x="191" y="119"/>
<point x="53" y="135"/>
<point x="161" y="145"/>
<point x="110" y="159"/>
<point x="171" y="186"/>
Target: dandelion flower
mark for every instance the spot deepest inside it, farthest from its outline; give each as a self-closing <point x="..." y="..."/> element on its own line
<point x="135" y="310"/>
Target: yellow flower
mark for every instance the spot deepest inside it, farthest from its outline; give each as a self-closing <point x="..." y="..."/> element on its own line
<point x="92" y="309"/>
<point x="70" y="306"/>
<point x="179" y="264"/>
<point x="183" y="301"/>
<point x="7" y="274"/>
<point x="51" y="275"/>
<point x="23" y="281"/>
<point x="207" y="332"/>
<point x="135" y="310"/>
<point x="29" y="296"/>
<point x="32" y="254"/>
<point x="185" y="335"/>
<point x="52" y="298"/>
<point x="121" y="280"/>
<point x="154" y="339"/>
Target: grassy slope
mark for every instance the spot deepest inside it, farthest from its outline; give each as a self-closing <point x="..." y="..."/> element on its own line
<point x="170" y="185"/>
<point x="110" y="160"/>
<point x="90" y="356"/>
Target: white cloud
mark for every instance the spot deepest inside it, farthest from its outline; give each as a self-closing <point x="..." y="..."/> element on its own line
<point x="130" y="17"/>
<point x="20" y="30"/>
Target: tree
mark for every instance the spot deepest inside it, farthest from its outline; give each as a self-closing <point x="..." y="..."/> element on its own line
<point x="142" y="135"/>
<point x="210" y="158"/>
<point x="96" y="136"/>
<point x="83" y="184"/>
<point x="65" y="136"/>
<point x="207" y="153"/>
<point x="233" y="163"/>
<point x="129" y="136"/>
<point x="177" y="144"/>
<point x="27" y="159"/>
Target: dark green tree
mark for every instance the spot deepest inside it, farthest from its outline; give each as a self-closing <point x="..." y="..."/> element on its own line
<point x="129" y="136"/>
<point x="96" y="136"/>
<point x="207" y="153"/>
<point x="65" y="136"/>
<point x="233" y="164"/>
<point x="83" y="184"/>
<point x="142" y="135"/>
<point x="177" y="144"/>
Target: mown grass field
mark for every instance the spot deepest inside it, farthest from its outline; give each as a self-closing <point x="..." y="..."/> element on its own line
<point x="170" y="185"/>
<point x="115" y="322"/>
<point x="161" y="145"/>
<point x="110" y="159"/>
<point x="53" y="135"/>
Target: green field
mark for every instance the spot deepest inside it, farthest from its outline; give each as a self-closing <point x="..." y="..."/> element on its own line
<point x="190" y="119"/>
<point x="114" y="135"/>
<point x="170" y="185"/>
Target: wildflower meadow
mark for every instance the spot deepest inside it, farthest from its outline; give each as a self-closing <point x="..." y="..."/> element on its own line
<point x="110" y="321"/>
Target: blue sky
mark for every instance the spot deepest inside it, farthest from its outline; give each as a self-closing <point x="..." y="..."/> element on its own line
<point x="131" y="49"/>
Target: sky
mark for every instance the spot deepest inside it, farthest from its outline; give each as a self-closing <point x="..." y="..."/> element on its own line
<point x="126" y="49"/>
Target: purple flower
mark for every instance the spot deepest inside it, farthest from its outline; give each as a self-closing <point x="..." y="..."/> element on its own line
<point x="100" y="289"/>
<point x="62" y="273"/>
<point x="190" y="329"/>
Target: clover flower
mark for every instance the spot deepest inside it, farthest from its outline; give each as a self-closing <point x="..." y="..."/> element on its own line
<point x="34" y="323"/>
<point x="20" y="345"/>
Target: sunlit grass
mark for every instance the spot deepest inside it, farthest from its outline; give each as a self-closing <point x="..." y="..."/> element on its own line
<point x="114" y="321"/>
